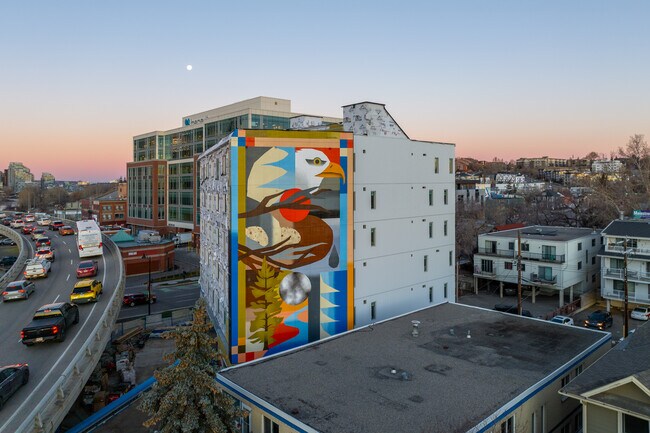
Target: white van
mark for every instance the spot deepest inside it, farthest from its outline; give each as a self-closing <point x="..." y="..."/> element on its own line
<point x="37" y="268"/>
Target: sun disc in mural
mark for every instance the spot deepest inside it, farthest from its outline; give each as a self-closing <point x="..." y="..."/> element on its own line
<point x="292" y="274"/>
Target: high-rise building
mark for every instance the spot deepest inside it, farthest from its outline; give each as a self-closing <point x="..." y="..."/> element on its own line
<point x="18" y="175"/>
<point x="47" y="180"/>
<point x="308" y="233"/>
<point x="162" y="179"/>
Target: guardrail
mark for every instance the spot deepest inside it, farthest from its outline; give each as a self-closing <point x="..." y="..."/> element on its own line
<point x="16" y="268"/>
<point x="49" y="413"/>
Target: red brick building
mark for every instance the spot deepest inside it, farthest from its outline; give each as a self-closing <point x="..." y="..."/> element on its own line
<point x="136" y="255"/>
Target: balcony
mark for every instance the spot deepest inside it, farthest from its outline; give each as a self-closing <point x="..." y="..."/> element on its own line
<point x="541" y="279"/>
<point x="525" y="255"/>
<point x="620" y="295"/>
<point x="616" y="248"/>
<point x="618" y="274"/>
<point x="479" y="271"/>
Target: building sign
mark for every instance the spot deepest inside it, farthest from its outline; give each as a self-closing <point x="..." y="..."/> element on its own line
<point x="641" y="214"/>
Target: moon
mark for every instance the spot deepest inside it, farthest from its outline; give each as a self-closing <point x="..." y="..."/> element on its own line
<point x="188" y="67"/>
<point x="294" y="288"/>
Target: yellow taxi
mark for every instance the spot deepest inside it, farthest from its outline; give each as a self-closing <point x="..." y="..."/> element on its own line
<point x="86" y="291"/>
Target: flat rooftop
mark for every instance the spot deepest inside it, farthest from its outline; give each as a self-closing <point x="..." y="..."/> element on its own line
<point x="552" y="233"/>
<point x="381" y="378"/>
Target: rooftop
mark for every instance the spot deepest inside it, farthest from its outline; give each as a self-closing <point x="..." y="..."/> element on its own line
<point x="632" y="228"/>
<point x="552" y="233"/>
<point x="381" y="378"/>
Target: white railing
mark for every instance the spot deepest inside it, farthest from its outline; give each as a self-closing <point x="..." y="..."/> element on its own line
<point x="49" y="413"/>
<point x="16" y="268"/>
<point x="620" y="295"/>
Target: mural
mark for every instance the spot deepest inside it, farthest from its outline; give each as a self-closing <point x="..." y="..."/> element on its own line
<point x="292" y="230"/>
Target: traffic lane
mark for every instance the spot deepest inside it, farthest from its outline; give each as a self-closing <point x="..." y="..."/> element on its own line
<point x="48" y="361"/>
<point x="168" y="297"/>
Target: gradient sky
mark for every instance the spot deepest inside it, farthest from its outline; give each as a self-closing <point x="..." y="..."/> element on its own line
<point x="505" y="79"/>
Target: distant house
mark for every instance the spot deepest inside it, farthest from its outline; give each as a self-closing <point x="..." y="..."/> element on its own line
<point x="615" y="390"/>
<point x="448" y="368"/>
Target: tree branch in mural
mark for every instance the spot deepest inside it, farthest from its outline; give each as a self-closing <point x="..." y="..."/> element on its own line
<point x="267" y="304"/>
<point x="299" y="201"/>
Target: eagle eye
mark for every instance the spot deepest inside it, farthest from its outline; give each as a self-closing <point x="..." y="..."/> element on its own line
<point x="316" y="161"/>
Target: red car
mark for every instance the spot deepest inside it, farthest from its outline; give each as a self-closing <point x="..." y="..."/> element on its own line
<point x="133" y="299"/>
<point x="56" y="225"/>
<point x="27" y="229"/>
<point x="42" y="242"/>
<point x="87" y="268"/>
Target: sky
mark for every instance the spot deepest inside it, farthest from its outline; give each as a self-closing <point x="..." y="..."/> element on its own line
<point x="500" y="79"/>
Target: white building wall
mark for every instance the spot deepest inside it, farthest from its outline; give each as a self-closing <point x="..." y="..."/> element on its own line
<point x="391" y="273"/>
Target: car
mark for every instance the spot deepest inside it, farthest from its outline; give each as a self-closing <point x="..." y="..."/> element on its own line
<point x="50" y="323"/>
<point x="640" y="313"/>
<point x="17" y="290"/>
<point x="87" y="268"/>
<point x="44" y="222"/>
<point x="55" y="225"/>
<point x="12" y="377"/>
<point x="564" y="320"/>
<point x="29" y="218"/>
<point x="7" y="242"/>
<point x="133" y="299"/>
<point x="66" y="230"/>
<point x="38" y="233"/>
<point x="46" y="253"/>
<point x="86" y="291"/>
<point x="7" y="261"/>
<point x="16" y="224"/>
<point x="27" y="229"/>
<point x="3" y="215"/>
<point x="599" y="319"/>
<point x="43" y="241"/>
<point x="7" y="221"/>
<point x="36" y="268"/>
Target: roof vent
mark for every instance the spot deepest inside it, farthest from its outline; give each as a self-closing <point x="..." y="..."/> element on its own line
<point x="468" y="334"/>
<point x="415" y="332"/>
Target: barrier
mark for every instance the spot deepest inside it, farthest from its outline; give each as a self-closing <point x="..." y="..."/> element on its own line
<point x="16" y="269"/>
<point x="48" y="414"/>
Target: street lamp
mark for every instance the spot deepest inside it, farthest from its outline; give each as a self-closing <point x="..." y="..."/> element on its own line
<point x="145" y="257"/>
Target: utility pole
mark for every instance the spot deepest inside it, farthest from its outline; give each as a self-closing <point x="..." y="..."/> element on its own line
<point x="625" y="314"/>
<point x="519" y="272"/>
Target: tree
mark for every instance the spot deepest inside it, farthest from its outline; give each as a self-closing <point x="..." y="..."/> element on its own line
<point x="185" y="397"/>
<point x="267" y="304"/>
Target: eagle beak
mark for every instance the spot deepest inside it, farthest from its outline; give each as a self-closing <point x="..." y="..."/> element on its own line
<point x="333" y="170"/>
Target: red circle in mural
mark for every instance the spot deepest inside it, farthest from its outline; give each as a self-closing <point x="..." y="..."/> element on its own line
<point x="294" y="215"/>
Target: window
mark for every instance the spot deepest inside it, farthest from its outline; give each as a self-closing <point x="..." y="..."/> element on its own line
<point x="511" y="246"/>
<point x="525" y="247"/>
<point x="430" y="230"/>
<point x="593" y="260"/>
<point x="507" y="265"/>
<point x="451" y="259"/>
<point x="430" y="197"/>
<point x="270" y="426"/>
<point x="430" y="294"/>
<point x="523" y="266"/>
<point x="548" y="252"/>
<point x="451" y="165"/>
<point x="372" y="237"/>
<point x="546" y="273"/>
<point x="373" y="311"/>
<point x="486" y="266"/>
<point x="593" y="242"/>
<point x="593" y="278"/>
<point x="437" y="165"/>
<point x="578" y="369"/>
<point x="620" y="287"/>
<point x="579" y="246"/>
<point x="616" y="263"/>
<point x="445" y="290"/>
<point x="579" y="265"/>
<point x="446" y="197"/>
<point x="373" y="199"/>
<point x="632" y="424"/>
<point x="445" y="228"/>
<point x="508" y="426"/>
<point x="426" y="263"/>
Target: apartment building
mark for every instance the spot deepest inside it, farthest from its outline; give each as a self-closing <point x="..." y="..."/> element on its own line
<point x="308" y="233"/>
<point x="162" y="179"/>
<point x="626" y="240"/>
<point x="554" y="260"/>
<point x="472" y="189"/>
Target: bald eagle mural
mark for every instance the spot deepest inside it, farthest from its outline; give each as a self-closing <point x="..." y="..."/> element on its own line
<point x="294" y="251"/>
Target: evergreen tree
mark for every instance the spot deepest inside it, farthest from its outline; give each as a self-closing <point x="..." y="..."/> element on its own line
<point x="267" y="304"/>
<point x="185" y="397"/>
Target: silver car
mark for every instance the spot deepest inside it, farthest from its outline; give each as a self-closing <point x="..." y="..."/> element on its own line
<point x="18" y="290"/>
<point x="12" y="377"/>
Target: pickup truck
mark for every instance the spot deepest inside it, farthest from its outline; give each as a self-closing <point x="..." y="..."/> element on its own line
<point x="50" y="322"/>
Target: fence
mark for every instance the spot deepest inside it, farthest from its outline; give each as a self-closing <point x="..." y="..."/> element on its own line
<point x="166" y="319"/>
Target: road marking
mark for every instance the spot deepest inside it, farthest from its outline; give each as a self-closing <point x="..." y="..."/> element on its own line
<point x="70" y="261"/>
<point x="57" y="297"/>
<point x="29" y="397"/>
<point x="68" y="277"/>
<point x="64" y="242"/>
<point x="69" y="250"/>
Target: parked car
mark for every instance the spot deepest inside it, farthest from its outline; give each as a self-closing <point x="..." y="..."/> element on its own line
<point x="37" y="268"/>
<point x="16" y="224"/>
<point x="7" y="261"/>
<point x="44" y="241"/>
<point x="55" y="225"/>
<point x="133" y="299"/>
<point x="38" y="233"/>
<point x="44" y="222"/>
<point x="66" y="231"/>
<point x="512" y="309"/>
<point x="46" y="253"/>
<point x="27" y="229"/>
<point x="86" y="291"/>
<point x="641" y="313"/>
<point x="50" y="322"/>
<point x="599" y="319"/>
<point x="7" y="242"/>
<point x="18" y="290"/>
<point x="564" y="320"/>
<point x="87" y="268"/>
<point x="12" y="377"/>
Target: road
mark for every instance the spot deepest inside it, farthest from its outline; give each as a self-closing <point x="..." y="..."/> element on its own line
<point x="48" y="360"/>
<point x="170" y="296"/>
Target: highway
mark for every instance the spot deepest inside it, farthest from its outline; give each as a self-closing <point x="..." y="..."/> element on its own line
<point x="48" y="361"/>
